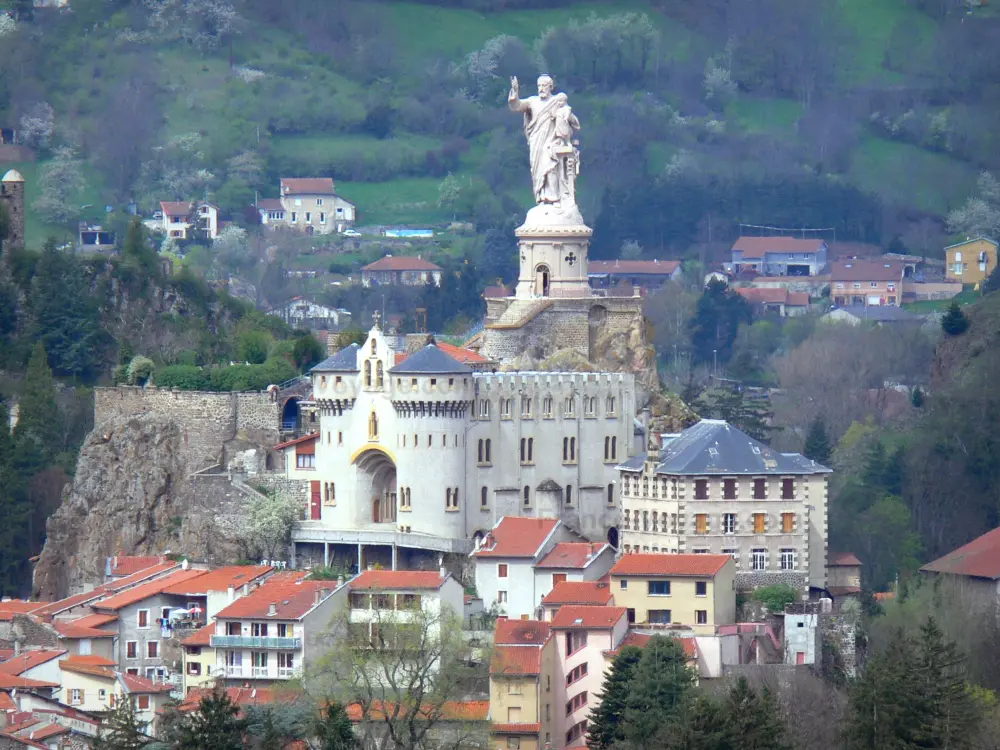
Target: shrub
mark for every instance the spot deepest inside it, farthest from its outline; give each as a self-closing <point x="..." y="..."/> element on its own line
<point x="776" y="597"/>
<point x="185" y="377"/>
<point x="139" y="370"/>
<point x="954" y="322"/>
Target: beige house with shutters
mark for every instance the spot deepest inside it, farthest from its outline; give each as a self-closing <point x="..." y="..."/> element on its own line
<point x="307" y="204"/>
<point x="713" y="489"/>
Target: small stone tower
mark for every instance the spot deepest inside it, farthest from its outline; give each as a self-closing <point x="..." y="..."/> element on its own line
<point x="12" y="195"/>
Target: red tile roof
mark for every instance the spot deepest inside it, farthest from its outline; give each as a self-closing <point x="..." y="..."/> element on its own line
<point x="516" y="728"/>
<point x="466" y="356"/>
<point x="143" y="575"/>
<point x="634" y="267"/>
<point x="755" y="247"/>
<point x="11" y="681"/>
<point x="521" y="632"/>
<point x="450" y="711"/>
<point x="126" y="565"/>
<point x="94" y="670"/>
<point x="175" y="208"/>
<point x="572" y="617"/>
<point x="307" y="185"/>
<point x="401" y="263"/>
<point x="85" y="627"/>
<point x="495" y="292"/>
<point x="836" y="559"/>
<point x="296" y="441"/>
<point x="200" y="637"/>
<point x="270" y="204"/>
<point x="572" y="555"/>
<point x="23" y="741"/>
<point x="7" y="703"/>
<point x="11" y="607"/>
<point x="135" y="684"/>
<point x="866" y="270"/>
<point x="397" y="579"/>
<point x="52" y="730"/>
<point x="594" y="593"/>
<point x="89" y="659"/>
<point x="54" y="608"/>
<point x="515" y="536"/>
<point x="145" y="590"/>
<point x="773" y="296"/>
<point x="92" y="621"/>
<point x="516" y="660"/>
<point x="980" y="558"/>
<point x="292" y="595"/>
<point x="219" y="579"/>
<point x="28" y="659"/>
<point x="241" y="696"/>
<point x="639" y="640"/>
<point x="669" y="565"/>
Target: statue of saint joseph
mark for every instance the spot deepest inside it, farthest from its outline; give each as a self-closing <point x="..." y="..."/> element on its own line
<point x="549" y="124"/>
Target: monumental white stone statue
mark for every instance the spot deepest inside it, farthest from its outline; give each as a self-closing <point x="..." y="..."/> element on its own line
<point x="549" y="124"/>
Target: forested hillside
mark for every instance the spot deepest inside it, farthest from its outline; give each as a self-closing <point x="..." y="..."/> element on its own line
<point x="871" y="117"/>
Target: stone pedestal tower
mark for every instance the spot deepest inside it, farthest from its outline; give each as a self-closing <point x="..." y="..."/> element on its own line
<point x="12" y="196"/>
<point x="553" y="249"/>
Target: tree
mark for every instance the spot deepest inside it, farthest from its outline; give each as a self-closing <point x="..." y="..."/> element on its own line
<point x="252" y="346"/>
<point x="14" y="511"/>
<point x="954" y="322"/>
<point x="121" y="729"/>
<point x="307" y="351"/>
<point x="776" y="597"/>
<point x="817" y="445"/>
<point x="753" y="718"/>
<point x="61" y="183"/>
<point x="730" y="404"/>
<point x="38" y="435"/>
<point x="401" y="672"/>
<point x="137" y="250"/>
<point x="660" y="687"/>
<point x="215" y="725"/>
<point x="887" y="542"/>
<point x="940" y="671"/>
<point x="605" y="728"/>
<point x="980" y="216"/>
<point x="264" y="528"/>
<point x="333" y="728"/>
<point x="716" y="322"/>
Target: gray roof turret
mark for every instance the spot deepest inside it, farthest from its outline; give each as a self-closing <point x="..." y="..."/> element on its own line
<point x="346" y="360"/>
<point x="430" y="361"/>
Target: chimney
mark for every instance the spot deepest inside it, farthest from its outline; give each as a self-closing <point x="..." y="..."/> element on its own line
<point x="272" y="609"/>
<point x="340" y="581"/>
<point x="246" y="589"/>
<point x="231" y="594"/>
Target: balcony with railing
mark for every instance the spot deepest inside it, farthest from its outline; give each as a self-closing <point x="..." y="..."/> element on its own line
<point x="255" y="642"/>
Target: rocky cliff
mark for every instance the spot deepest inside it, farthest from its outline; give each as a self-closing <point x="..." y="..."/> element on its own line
<point x="132" y="494"/>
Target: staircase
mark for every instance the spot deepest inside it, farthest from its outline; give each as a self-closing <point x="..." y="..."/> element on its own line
<point x="521" y="312"/>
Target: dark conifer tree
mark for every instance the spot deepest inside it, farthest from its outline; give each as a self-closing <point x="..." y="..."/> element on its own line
<point x="605" y="728"/>
<point x="817" y="445"/>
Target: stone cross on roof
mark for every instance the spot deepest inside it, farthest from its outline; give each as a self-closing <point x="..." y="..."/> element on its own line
<point x="377" y="319"/>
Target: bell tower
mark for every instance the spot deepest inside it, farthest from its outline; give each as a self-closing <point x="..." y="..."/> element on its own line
<point x="12" y="196"/>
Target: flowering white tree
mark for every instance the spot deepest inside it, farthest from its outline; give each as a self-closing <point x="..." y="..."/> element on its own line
<point x="264" y="530"/>
<point x="719" y="85"/>
<point x="231" y="247"/>
<point x="7" y="25"/>
<point x="480" y="68"/>
<point x="37" y="125"/>
<point x="980" y="216"/>
<point x="61" y="181"/>
<point x="201" y="23"/>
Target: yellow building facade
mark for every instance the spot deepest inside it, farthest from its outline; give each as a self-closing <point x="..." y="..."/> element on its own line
<point x="521" y="690"/>
<point x="971" y="261"/>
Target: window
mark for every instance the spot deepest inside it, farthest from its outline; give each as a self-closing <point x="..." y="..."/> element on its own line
<point x="142" y="618"/>
<point x="547" y="407"/>
<point x="575" y="640"/>
<point x="659" y="616"/>
<point x="513" y="743"/>
<point x="132" y="671"/>
<point x="958" y="256"/>
<point x="258" y="629"/>
<point x="502" y="570"/>
<point x="483" y="452"/>
<point x="194" y="668"/>
<point x="319" y="201"/>
<point x="165" y="613"/>
<point x="305" y="461"/>
<point x="75" y="697"/>
<point x="484" y="495"/>
<point x="701" y="616"/>
<point x="610" y="406"/>
<point x="131" y="649"/>
<point x="309" y="217"/>
<point x="233" y="628"/>
<point x="576" y="673"/>
<point x="282" y="629"/>
<point x="451" y="499"/>
<point x="701" y="588"/>
<point x="527" y="450"/>
<point x="102" y="694"/>
<point x="624" y="584"/>
<point x="484" y="409"/>
<point x="152" y="649"/>
<point x="330" y="496"/>
<point x="734" y="553"/>
<point x="729" y="489"/>
<point x="759" y="523"/>
<point x="286" y="664"/>
<point x="379" y="374"/>
<point x="701" y="489"/>
<point x="611" y="493"/>
<point x="728" y="523"/>
<point x="569" y="450"/>
<point x="576" y="732"/>
<point x="578" y="701"/>
<point x="701" y="523"/>
<point x="787" y="488"/>
<point x="659" y="588"/>
<point x="758" y="559"/>
<point x="142" y="702"/>
<point x="645" y="520"/>
<point x="505" y="408"/>
<point x="787" y="523"/>
<point x="322" y="217"/>
<point x="526" y="407"/>
<point x="759" y="489"/>
<point x="373" y="426"/>
<point x="295" y="216"/>
<point x="501" y="597"/>
<point x="570" y="407"/>
<point x="526" y="492"/>
<point x="788" y="559"/>
<point x="569" y="494"/>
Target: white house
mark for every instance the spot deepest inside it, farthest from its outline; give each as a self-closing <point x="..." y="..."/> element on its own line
<point x="506" y="559"/>
<point x="300" y="312"/>
<point x="392" y="595"/>
<point x="175" y="219"/>
<point x="308" y="204"/>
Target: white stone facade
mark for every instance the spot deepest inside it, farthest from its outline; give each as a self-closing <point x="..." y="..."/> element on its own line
<point x="429" y="460"/>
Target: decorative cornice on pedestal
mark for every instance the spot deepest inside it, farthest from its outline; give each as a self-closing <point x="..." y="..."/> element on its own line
<point x="538" y="232"/>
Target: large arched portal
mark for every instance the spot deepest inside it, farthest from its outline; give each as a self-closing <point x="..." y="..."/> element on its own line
<point x="290" y="414"/>
<point x="377" y="486"/>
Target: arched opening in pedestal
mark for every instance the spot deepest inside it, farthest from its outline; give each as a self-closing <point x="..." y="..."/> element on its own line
<point x="377" y="482"/>
<point x="542" y="280"/>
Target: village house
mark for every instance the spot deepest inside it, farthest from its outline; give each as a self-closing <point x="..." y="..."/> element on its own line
<point x="91" y="683"/>
<point x="401" y="270"/>
<point x="973" y="571"/>
<point x="712" y="489"/>
<point x="200" y="661"/>
<point x="863" y="282"/>
<point x="307" y="204"/>
<point x="187" y="220"/>
<point x="300" y="312"/>
<point x="645" y="274"/>
<point x="583" y="593"/>
<point x="378" y="597"/>
<point x="521" y="696"/>
<point x="843" y="574"/>
<point x="971" y="261"/>
<point x="778" y="300"/>
<point x="779" y="256"/>
<point x="874" y="315"/>
<point x="684" y="589"/>
<point x="268" y="635"/>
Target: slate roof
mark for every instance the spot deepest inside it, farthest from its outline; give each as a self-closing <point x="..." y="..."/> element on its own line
<point x="859" y="269"/>
<point x="346" y="360"/>
<point x="713" y="446"/>
<point x="663" y="564"/>
<point x="980" y="558"/>
<point x="878" y="313"/>
<point x="633" y="267"/>
<point x="430" y="361"/>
